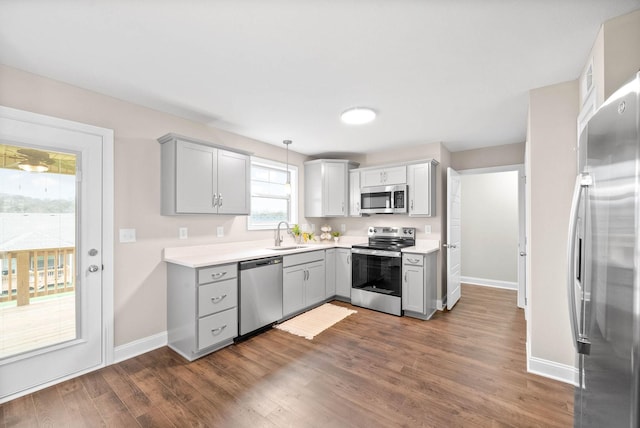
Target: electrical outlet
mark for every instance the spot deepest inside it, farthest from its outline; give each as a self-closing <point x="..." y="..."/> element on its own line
<point x="127" y="235"/>
<point x="220" y="231"/>
<point x="427" y="229"/>
<point x="183" y="233"/>
<point x="343" y="228"/>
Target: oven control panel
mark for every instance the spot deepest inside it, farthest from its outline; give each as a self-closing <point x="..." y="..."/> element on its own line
<point x="396" y="232"/>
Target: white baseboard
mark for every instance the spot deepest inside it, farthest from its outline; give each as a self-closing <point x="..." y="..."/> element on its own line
<point x="553" y="370"/>
<point x="140" y="346"/>
<point x="489" y="282"/>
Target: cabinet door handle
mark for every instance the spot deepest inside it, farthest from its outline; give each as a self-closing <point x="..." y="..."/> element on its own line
<point x="349" y="259"/>
<point x="343" y="207"/>
<point x="217" y="331"/>
<point x="405" y="277"/>
<point x="220" y="200"/>
<point x="218" y="299"/>
<point x="411" y="204"/>
<point x="218" y="275"/>
<point x="215" y="200"/>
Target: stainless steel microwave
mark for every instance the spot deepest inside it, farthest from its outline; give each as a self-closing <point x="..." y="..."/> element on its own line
<point x="383" y="200"/>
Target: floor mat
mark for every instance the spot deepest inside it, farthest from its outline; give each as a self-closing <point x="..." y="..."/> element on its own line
<point x="315" y="321"/>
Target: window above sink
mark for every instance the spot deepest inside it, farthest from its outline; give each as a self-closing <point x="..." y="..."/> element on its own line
<point x="270" y="201"/>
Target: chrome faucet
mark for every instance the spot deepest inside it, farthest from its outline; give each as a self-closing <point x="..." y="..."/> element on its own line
<point x="278" y="239"/>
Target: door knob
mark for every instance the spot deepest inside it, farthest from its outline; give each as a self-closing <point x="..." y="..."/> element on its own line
<point x="522" y="253"/>
<point x="94" y="268"/>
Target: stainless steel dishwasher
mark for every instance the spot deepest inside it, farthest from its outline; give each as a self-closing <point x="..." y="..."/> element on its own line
<point x="260" y="293"/>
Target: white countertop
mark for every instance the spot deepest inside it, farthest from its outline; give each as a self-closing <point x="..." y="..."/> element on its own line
<point x="423" y="246"/>
<point x="232" y="252"/>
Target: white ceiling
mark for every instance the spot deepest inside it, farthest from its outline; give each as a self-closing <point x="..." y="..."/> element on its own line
<point x="456" y="71"/>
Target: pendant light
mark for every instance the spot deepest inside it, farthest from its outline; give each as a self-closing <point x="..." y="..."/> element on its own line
<point x="287" y="186"/>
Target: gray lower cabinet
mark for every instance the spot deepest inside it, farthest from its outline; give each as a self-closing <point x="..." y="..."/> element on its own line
<point x="343" y="274"/>
<point x="303" y="281"/>
<point x="202" y="313"/>
<point x="330" y="273"/>
<point x="419" y="285"/>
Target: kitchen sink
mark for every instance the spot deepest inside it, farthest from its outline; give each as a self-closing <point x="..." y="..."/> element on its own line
<point x="285" y="248"/>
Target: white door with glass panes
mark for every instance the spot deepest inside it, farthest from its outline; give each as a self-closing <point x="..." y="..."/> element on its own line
<point x="56" y="300"/>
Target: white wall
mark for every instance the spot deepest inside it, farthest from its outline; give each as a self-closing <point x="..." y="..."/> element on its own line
<point x="551" y="146"/>
<point x="490" y="228"/>
<point x="139" y="273"/>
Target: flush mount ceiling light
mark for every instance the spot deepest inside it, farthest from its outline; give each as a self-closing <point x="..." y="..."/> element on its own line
<point x="358" y="115"/>
<point x="33" y="167"/>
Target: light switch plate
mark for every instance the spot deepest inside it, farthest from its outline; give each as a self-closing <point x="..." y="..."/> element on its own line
<point x="127" y="235"/>
<point x="343" y="228"/>
<point x="427" y="229"/>
<point x="183" y="233"/>
<point x="220" y="231"/>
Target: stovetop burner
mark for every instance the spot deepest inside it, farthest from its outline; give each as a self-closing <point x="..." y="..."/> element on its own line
<point x="389" y="238"/>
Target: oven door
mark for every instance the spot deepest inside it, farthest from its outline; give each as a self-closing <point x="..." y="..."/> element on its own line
<point x="377" y="271"/>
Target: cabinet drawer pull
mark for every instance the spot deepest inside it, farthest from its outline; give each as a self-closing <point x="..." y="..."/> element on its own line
<point x="413" y="260"/>
<point x="218" y="275"/>
<point x="218" y="299"/>
<point x="217" y="331"/>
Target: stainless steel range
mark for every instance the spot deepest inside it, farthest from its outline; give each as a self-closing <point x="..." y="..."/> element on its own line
<point x="377" y="269"/>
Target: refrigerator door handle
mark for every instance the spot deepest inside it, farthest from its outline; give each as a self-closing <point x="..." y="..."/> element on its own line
<point x="582" y="343"/>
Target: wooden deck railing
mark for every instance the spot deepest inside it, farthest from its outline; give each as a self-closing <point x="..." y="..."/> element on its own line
<point x="32" y="273"/>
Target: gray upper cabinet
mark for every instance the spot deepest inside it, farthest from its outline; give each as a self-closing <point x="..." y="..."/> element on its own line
<point x="354" y="193"/>
<point x="326" y="187"/>
<point x="384" y="176"/>
<point x="421" y="183"/>
<point x="202" y="178"/>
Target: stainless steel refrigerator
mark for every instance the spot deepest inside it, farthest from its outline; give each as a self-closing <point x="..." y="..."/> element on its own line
<point x="604" y="264"/>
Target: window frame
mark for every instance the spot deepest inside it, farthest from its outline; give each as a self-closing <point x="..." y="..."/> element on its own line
<point x="293" y="197"/>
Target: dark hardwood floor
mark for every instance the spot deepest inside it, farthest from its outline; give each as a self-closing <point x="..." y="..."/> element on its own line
<point x="462" y="368"/>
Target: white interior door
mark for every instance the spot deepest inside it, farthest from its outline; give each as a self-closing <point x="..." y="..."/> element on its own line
<point x="453" y="237"/>
<point x="83" y="347"/>
<point x="522" y="240"/>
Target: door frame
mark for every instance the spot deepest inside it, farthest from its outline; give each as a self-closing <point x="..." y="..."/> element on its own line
<point x="522" y="222"/>
<point x="107" y="136"/>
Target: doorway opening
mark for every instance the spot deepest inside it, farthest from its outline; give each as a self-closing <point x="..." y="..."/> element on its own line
<point x="493" y="228"/>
